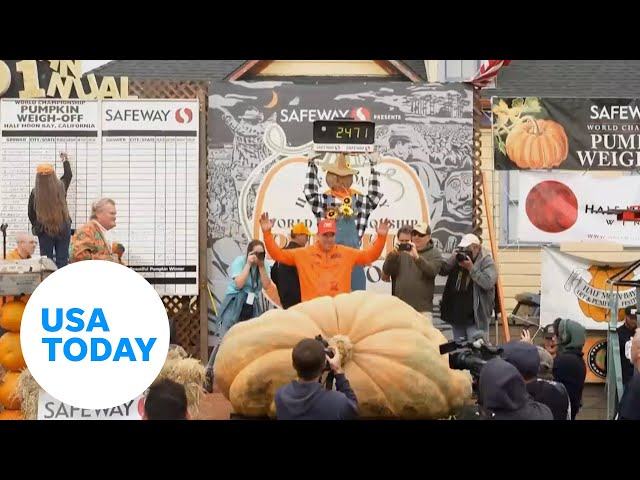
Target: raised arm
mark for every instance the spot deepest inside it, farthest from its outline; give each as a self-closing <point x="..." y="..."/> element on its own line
<point x="316" y="200"/>
<point x="365" y="257"/>
<point x="68" y="174"/>
<point x="288" y="257"/>
<point x="365" y="204"/>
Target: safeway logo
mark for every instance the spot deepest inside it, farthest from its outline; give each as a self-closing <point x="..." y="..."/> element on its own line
<point x="360" y="113"/>
<point x="184" y="115"/>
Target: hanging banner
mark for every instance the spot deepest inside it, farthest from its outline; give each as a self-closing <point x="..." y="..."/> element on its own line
<point x="261" y="136"/>
<point x="566" y="133"/>
<point x="555" y="207"/>
<point x="576" y="288"/>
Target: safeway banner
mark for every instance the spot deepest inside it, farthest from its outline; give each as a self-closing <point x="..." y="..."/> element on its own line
<point x="557" y="207"/>
<point x="566" y="133"/>
<point x="576" y="288"/>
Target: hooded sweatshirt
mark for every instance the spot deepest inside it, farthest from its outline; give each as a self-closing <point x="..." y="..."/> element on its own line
<point x="502" y="392"/>
<point x="568" y="366"/>
<point x="310" y="401"/>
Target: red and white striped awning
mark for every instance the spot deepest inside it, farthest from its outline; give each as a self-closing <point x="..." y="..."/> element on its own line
<point x="488" y="72"/>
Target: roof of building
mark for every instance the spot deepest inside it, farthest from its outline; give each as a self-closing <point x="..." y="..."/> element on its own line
<point x="568" y="78"/>
<point x="189" y="70"/>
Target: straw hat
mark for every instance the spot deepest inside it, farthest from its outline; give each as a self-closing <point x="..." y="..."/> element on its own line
<point x="340" y="167"/>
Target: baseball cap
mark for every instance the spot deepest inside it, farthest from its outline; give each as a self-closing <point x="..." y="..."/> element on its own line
<point x="326" y="226"/>
<point x="300" y="229"/>
<point x="422" y="228"/>
<point x="524" y="356"/>
<point x="631" y="310"/>
<point x="548" y="331"/>
<point x="469" y="239"/>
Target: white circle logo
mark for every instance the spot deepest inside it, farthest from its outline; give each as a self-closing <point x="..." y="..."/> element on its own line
<point x="94" y="334"/>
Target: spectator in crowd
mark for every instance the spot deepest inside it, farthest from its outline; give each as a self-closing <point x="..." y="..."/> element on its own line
<point x="306" y="398"/>
<point x="502" y="394"/>
<point x="324" y="268"/>
<point x="469" y="294"/>
<point x="550" y="344"/>
<point x="25" y="247"/>
<point x="568" y="365"/>
<point x="413" y="266"/>
<point x="166" y="400"/>
<point x="629" y="407"/>
<point x="92" y="241"/>
<point x="48" y="211"/>
<point x="250" y="274"/>
<point x="526" y="357"/>
<point x="626" y="331"/>
<point x="284" y="276"/>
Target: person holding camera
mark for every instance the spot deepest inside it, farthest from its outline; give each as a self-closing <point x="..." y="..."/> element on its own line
<point x="306" y="398"/>
<point x="469" y="294"/>
<point x="249" y="276"/>
<point x="412" y="267"/>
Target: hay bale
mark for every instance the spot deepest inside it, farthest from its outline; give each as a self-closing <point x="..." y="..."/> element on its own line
<point x="190" y="372"/>
<point x="28" y="392"/>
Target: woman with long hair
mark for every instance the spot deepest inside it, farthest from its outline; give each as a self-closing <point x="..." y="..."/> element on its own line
<point x="49" y="213"/>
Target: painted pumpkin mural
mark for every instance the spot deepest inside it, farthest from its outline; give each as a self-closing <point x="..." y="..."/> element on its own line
<point x="599" y="277"/>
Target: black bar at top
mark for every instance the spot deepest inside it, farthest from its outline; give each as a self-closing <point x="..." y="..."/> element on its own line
<point x="172" y="281"/>
<point x="148" y="133"/>
<point x="49" y="133"/>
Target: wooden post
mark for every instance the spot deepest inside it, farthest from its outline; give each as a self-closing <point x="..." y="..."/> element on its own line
<point x="494" y="253"/>
<point x="203" y="298"/>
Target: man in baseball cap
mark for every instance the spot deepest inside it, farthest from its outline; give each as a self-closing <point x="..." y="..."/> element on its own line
<point x="324" y="268"/>
<point x="469" y="296"/>
<point x="285" y="277"/>
<point x="549" y="340"/>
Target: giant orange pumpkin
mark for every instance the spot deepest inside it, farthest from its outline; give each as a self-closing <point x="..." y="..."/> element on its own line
<point x="11" y="415"/>
<point x="390" y="355"/>
<point x="537" y="144"/>
<point x="599" y="277"/>
<point x="11" y="356"/>
<point x="9" y="390"/>
<point x="12" y="315"/>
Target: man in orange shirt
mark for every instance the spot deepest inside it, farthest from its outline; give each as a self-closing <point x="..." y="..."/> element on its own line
<point x="25" y="247"/>
<point x="324" y="268"/>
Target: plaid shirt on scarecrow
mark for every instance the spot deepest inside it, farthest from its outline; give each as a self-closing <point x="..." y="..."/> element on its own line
<point x="363" y="204"/>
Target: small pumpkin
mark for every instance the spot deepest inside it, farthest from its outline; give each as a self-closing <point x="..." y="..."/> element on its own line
<point x="11" y="415"/>
<point x="12" y="315"/>
<point x="537" y="144"/>
<point x="390" y="355"/>
<point x="11" y="356"/>
<point x="599" y="277"/>
<point x="9" y="391"/>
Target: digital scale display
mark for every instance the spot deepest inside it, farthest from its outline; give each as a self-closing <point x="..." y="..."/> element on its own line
<point x="343" y="135"/>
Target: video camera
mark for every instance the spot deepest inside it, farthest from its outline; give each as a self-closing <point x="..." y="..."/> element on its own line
<point x="470" y="355"/>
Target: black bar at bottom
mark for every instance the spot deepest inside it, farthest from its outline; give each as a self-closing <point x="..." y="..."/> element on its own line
<point x="172" y="281"/>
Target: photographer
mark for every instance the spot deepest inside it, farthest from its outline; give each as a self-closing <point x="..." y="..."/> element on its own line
<point x="412" y="267"/>
<point x="468" y="299"/>
<point x="306" y="398"/>
<point x="249" y="276"/>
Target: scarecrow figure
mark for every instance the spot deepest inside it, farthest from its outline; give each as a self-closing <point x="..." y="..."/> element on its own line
<point x="348" y="207"/>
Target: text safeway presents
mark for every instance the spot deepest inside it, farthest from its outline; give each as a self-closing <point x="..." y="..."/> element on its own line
<point x="51" y="409"/>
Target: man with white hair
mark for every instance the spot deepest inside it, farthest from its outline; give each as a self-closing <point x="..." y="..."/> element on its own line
<point x="25" y="247"/>
<point x="91" y="241"/>
<point x="469" y="295"/>
<point x="629" y="407"/>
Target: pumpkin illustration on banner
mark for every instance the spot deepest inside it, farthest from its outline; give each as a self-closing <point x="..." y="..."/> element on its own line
<point x="537" y="144"/>
<point x="599" y="277"/>
<point x="389" y="353"/>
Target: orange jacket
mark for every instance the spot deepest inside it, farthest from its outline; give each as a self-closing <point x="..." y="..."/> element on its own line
<point x="324" y="273"/>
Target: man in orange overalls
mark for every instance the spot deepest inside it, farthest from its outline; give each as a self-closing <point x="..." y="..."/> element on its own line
<point x="324" y="268"/>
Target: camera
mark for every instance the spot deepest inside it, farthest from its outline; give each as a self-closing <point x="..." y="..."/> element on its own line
<point x="404" y="247"/>
<point x="462" y="255"/>
<point x="468" y="355"/>
<point x="327" y="350"/>
<point x="260" y="256"/>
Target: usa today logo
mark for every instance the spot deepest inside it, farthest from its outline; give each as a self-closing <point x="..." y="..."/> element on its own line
<point x="94" y="334"/>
